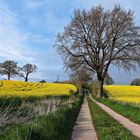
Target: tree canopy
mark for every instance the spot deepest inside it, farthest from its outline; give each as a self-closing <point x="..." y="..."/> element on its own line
<point x="99" y="38"/>
<point x="8" y="68"/>
<point x="26" y="70"/>
<point x="135" y="82"/>
<point x="80" y="77"/>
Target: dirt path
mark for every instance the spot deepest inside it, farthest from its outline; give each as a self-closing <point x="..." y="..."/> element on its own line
<point x="131" y="126"/>
<point x="84" y="129"/>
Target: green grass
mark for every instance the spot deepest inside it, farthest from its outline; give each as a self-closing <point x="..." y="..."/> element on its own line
<point x="6" y="101"/>
<point x="106" y="127"/>
<point x="54" y="126"/>
<point x="128" y="110"/>
<point x="13" y="104"/>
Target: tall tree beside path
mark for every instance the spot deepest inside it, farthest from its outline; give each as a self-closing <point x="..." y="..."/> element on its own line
<point x="8" y="68"/>
<point x="99" y="38"/>
<point x="80" y="77"/>
<point x="26" y="70"/>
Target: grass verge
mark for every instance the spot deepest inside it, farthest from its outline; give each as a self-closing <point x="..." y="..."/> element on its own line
<point x="54" y="126"/>
<point x="125" y="109"/>
<point x="106" y="127"/>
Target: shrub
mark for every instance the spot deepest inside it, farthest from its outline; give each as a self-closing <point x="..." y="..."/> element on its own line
<point x="135" y="82"/>
<point x="42" y="81"/>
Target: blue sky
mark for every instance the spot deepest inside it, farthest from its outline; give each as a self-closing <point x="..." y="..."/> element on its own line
<point x="28" y="30"/>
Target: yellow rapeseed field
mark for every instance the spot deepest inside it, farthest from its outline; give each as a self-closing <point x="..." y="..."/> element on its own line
<point x="25" y="89"/>
<point x="130" y="94"/>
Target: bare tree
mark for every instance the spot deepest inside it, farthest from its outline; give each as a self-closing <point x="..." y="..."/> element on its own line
<point x="99" y="38"/>
<point x="8" y="68"/>
<point x="26" y="70"/>
<point x="79" y="77"/>
<point x="108" y="80"/>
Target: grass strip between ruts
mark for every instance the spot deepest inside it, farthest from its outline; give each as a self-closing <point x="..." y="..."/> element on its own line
<point x="106" y="127"/>
<point x="128" y="110"/>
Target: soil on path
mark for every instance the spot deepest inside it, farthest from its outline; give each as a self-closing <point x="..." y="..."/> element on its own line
<point x="84" y="129"/>
<point x="131" y="126"/>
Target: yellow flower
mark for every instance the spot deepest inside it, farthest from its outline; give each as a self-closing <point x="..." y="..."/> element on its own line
<point x="130" y="94"/>
<point x="25" y="89"/>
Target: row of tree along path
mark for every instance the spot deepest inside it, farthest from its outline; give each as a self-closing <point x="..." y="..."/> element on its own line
<point x="98" y="38"/>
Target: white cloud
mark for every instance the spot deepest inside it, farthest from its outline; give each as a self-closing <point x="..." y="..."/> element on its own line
<point x="40" y="21"/>
<point x="34" y="4"/>
<point x="12" y="41"/>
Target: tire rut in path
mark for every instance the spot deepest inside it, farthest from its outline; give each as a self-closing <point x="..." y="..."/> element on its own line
<point x="84" y="130"/>
<point x="129" y="125"/>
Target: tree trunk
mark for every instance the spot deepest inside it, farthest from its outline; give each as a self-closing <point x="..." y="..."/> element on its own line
<point x="80" y="89"/>
<point x="100" y="88"/>
<point x="8" y="76"/>
<point x="26" y="79"/>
